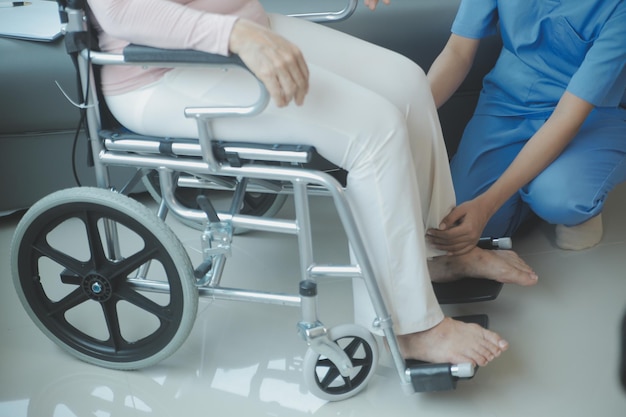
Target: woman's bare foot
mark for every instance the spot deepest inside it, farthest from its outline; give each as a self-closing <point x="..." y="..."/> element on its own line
<point x="453" y="341"/>
<point x="499" y="265"/>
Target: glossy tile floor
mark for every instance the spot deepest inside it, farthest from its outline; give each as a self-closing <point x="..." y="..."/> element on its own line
<point x="245" y="359"/>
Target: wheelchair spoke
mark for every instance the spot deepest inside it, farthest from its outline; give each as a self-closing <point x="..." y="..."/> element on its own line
<point x="331" y="374"/>
<point x="360" y="362"/>
<point x="352" y="347"/>
<point x="126" y="293"/>
<point x="121" y="269"/>
<point x="98" y="256"/>
<point x="113" y="325"/>
<point x="66" y="261"/>
<point x="68" y="302"/>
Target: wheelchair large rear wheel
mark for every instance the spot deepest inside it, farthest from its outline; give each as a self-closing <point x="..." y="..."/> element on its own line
<point x="322" y="376"/>
<point x="104" y="278"/>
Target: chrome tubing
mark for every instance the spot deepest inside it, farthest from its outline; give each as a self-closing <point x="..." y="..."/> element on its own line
<point x="322" y="17"/>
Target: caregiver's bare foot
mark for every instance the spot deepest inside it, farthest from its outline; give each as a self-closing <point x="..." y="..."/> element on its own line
<point x="453" y="341"/>
<point x="499" y="265"/>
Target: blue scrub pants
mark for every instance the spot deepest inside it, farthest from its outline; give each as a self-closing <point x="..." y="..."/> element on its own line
<point x="569" y="191"/>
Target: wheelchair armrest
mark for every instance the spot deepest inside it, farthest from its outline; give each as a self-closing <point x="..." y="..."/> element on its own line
<point x="138" y="54"/>
<point x="145" y="54"/>
<point x="321" y="17"/>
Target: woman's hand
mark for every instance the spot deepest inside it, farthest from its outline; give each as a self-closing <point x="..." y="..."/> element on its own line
<point x="278" y="63"/>
<point x="371" y="4"/>
<point x="460" y="230"/>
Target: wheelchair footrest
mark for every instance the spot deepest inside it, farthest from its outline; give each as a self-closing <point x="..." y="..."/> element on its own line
<point x="432" y="377"/>
<point x="467" y="290"/>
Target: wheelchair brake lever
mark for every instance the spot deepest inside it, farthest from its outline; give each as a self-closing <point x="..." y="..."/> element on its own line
<point x="203" y="268"/>
<point x="208" y="208"/>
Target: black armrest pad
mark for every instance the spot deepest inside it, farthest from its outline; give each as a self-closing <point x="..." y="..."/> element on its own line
<point x="139" y="54"/>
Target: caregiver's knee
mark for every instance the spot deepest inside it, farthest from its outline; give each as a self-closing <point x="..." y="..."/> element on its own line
<point x="563" y="206"/>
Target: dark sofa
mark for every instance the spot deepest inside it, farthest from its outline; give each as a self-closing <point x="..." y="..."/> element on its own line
<point x="38" y="124"/>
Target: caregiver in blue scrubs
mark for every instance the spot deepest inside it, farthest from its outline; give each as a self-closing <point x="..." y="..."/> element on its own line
<point x="549" y="133"/>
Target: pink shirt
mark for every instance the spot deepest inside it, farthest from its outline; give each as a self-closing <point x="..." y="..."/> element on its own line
<point x="203" y="25"/>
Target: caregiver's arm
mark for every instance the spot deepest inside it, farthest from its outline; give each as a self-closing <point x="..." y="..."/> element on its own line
<point x="460" y="230"/>
<point x="451" y="67"/>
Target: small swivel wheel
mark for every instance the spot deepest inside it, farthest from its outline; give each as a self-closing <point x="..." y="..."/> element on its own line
<point x="104" y="278"/>
<point x="323" y="377"/>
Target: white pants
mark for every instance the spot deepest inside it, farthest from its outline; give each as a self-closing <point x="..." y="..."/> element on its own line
<point x="370" y="111"/>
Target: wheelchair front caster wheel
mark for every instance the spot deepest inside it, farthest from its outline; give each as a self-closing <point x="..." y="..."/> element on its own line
<point x="322" y="376"/>
<point x="104" y="278"/>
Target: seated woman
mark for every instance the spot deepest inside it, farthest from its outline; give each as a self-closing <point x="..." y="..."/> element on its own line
<point x="367" y="110"/>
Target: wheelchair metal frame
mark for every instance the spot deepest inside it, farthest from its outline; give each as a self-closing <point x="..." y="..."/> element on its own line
<point x="199" y="159"/>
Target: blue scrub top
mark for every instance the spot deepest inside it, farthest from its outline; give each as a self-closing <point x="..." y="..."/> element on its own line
<point x="549" y="47"/>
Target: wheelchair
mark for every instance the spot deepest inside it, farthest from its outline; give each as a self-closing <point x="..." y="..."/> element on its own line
<point x="127" y="268"/>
